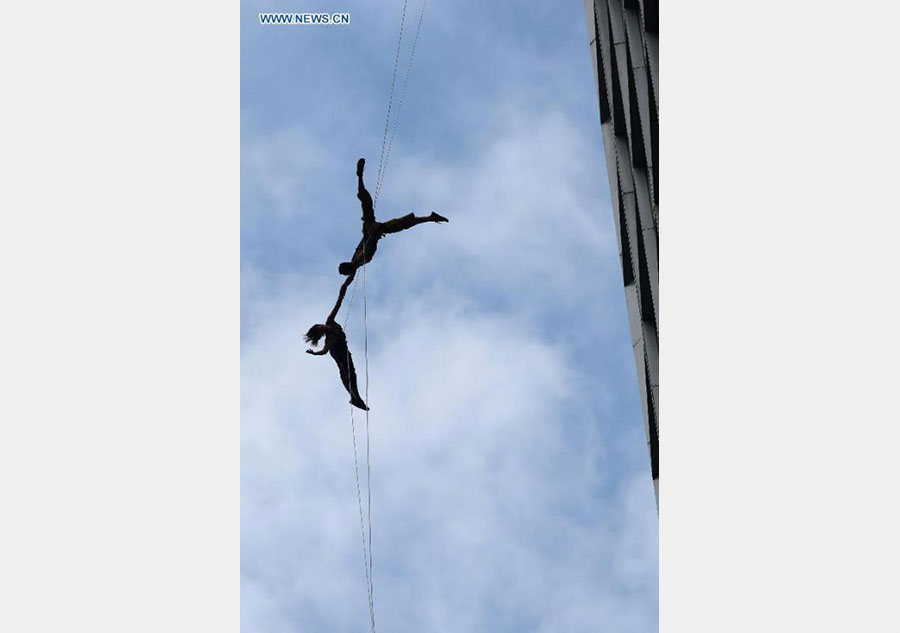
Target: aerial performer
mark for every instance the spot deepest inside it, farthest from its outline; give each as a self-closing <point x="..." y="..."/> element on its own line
<point x="374" y="230"/>
<point x="336" y="345"/>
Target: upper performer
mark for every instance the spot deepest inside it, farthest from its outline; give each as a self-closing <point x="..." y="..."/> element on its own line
<point x="373" y="230"/>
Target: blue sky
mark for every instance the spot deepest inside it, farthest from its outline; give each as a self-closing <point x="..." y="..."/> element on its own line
<point x="511" y="487"/>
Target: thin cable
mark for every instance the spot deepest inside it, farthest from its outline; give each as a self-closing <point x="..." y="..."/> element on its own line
<point x="350" y="304"/>
<point x="383" y="160"/>
<point x="366" y="552"/>
<point x="368" y="444"/>
<point x="387" y="118"/>
<point x="362" y="530"/>
<point x="387" y="157"/>
<point x="379" y="178"/>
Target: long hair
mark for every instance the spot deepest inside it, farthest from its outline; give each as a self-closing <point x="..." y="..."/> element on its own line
<point x="315" y="333"/>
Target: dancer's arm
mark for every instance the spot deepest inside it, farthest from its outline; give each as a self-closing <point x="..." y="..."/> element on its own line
<point x="340" y="299"/>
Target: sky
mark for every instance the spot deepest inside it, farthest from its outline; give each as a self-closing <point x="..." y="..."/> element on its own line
<point x="510" y="477"/>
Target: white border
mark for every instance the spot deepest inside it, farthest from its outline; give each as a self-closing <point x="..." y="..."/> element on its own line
<point x="119" y="351"/>
<point x="779" y="303"/>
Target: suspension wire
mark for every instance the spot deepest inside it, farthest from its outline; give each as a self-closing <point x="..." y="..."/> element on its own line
<point x="383" y="160"/>
<point x="382" y="165"/>
<point x="387" y="156"/>
<point x="368" y="445"/>
<point x="350" y="305"/>
<point x="366" y="563"/>
<point x="361" y="526"/>
<point x="387" y="118"/>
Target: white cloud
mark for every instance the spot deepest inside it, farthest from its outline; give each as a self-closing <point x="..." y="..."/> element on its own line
<point x="479" y="500"/>
<point x="524" y="212"/>
<point x="285" y="166"/>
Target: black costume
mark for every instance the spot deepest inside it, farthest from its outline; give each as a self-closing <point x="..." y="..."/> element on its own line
<point x="374" y="230"/>
<point x="336" y="345"/>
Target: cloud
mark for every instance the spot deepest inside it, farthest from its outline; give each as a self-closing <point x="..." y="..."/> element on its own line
<point x="480" y="486"/>
<point x="522" y="213"/>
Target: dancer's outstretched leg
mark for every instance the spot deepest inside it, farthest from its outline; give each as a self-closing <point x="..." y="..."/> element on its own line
<point x="408" y="221"/>
<point x="368" y="208"/>
<point x="348" y="377"/>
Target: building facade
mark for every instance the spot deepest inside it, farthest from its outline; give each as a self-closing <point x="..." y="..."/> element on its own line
<point x="624" y="45"/>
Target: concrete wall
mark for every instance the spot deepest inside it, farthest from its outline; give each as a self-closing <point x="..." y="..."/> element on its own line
<point x="624" y="45"/>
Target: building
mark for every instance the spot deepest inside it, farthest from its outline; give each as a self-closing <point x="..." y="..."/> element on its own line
<point x="624" y="43"/>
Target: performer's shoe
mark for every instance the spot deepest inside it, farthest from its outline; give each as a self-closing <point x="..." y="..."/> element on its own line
<point x="360" y="165"/>
<point x="438" y="218"/>
<point x="358" y="403"/>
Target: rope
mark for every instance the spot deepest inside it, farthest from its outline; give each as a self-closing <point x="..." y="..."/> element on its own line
<point x="362" y="529"/>
<point x="367" y="547"/>
<point x="383" y="161"/>
<point x="366" y="558"/>
<point x="368" y="444"/>
<point x="387" y="157"/>
<point x="350" y="302"/>
<point x="387" y="118"/>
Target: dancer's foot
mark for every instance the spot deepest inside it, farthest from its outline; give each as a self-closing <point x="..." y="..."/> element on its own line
<point x="360" y="165"/>
<point x="358" y="403"/>
<point x="438" y="218"/>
